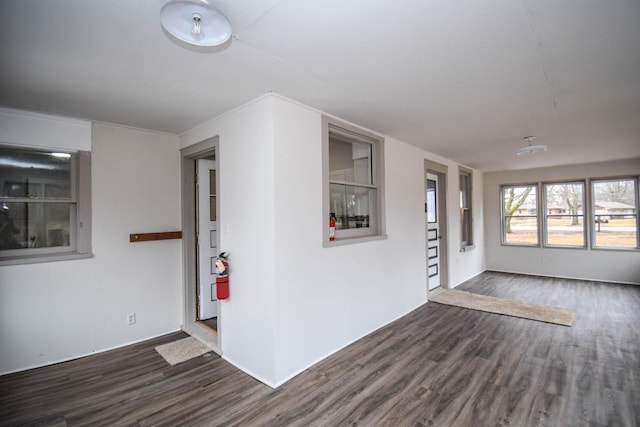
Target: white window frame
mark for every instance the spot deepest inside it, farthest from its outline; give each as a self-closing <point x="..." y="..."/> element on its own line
<point x="466" y="209"/>
<point x="546" y="215"/>
<point x="80" y="215"/>
<point x="592" y="213"/>
<point x="376" y="229"/>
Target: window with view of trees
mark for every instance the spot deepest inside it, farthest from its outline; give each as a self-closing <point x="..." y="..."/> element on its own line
<point x="520" y="215"/>
<point x="612" y="211"/>
<point x="564" y="214"/>
<point x="615" y="213"/>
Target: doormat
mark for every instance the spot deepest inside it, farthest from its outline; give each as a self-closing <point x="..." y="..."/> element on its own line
<point x="542" y="313"/>
<point x="182" y="350"/>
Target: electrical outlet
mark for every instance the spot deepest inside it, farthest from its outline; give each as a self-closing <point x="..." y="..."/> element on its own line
<point x="131" y="318"/>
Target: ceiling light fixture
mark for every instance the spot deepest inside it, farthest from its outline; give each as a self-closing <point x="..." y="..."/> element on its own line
<point x="531" y="149"/>
<point x="195" y="22"/>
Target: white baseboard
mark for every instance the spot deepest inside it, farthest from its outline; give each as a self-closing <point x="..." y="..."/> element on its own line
<point x="79" y="356"/>
<point x="562" y="277"/>
<point x="319" y="359"/>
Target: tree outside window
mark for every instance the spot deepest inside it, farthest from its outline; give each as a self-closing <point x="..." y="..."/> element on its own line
<point x="564" y="219"/>
<point x="615" y="213"/>
<point x="520" y="215"/>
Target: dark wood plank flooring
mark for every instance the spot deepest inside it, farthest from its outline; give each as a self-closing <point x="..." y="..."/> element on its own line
<point x="437" y="366"/>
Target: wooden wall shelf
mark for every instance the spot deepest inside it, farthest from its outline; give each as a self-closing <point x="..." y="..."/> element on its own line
<point x="146" y="237"/>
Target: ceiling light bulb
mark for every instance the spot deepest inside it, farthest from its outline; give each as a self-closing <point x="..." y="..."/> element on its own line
<point x="197" y="33"/>
<point x="195" y="22"/>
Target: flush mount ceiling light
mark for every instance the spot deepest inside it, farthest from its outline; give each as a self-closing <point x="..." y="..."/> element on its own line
<point x="531" y="149"/>
<point x="195" y="22"/>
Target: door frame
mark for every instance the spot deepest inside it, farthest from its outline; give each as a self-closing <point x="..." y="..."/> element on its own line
<point x="204" y="230"/>
<point x="190" y="325"/>
<point x="441" y="171"/>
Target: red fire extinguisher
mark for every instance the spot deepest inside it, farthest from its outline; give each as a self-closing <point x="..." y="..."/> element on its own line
<point x="222" y="279"/>
<point x="332" y="227"/>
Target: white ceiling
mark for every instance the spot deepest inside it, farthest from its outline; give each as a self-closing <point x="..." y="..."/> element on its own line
<point x="465" y="79"/>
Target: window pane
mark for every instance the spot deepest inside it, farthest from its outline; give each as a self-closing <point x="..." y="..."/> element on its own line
<point x="213" y="209"/>
<point x="520" y="207"/>
<point x="466" y="226"/>
<point x="349" y="161"/>
<point x="465" y="209"/>
<point x="212" y="181"/>
<point x="34" y="225"/>
<point x="615" y="213"/>
<point x="565" y="230"/>
<point x="350" y="206"/>
<point x="34" y="174"/>
<point x="432" y="208"/>
<point x="464" y="191"/>
<point x="565" y="215"/>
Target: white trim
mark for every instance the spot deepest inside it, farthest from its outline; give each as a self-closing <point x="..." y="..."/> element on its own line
<point x="94" y="352"/>
<point x="563" y="277"/>
<point x="45" y="116"/>
<point x="249" y="372"/>
<point x="464" y="280"/>
<point x="134" y="128"/>
<point x="30" y="129"/>
<point x="321" y="358"/>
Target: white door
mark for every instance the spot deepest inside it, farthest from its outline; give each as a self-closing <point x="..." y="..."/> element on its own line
<point x="207" y="241"/>
<point x="433" y="232"/>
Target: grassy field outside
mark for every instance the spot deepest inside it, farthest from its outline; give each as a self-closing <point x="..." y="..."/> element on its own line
<point x="617" y="233"/>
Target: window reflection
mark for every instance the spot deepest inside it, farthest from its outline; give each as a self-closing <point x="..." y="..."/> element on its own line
<point x="350" y="205"/>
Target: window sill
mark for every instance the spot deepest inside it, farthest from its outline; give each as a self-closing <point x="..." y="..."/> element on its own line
<point x="584" y="248"/>
<point x="33" y="259"/>
<point x="352" y="240"/>
<point x="467" y="248"/>
<point x="612" y="249"/>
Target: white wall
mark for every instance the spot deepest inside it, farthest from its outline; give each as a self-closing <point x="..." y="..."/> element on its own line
<point x="62" y="310"/>
<point x="246" y="200"/>
<point x="293" y="302"/>
<point x="328" y="297"/>
<point x="136" y="189"/>
<point x="604" y="265"/>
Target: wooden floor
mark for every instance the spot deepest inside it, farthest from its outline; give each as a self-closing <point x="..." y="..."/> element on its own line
<point x="211" y="323"/>
<point x="437" y="366"/>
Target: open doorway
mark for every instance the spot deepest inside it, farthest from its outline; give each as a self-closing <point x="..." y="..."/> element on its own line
<point x="436" y="226"/>
<point x="206" y="240"/>
<point x="200" y="171"/>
